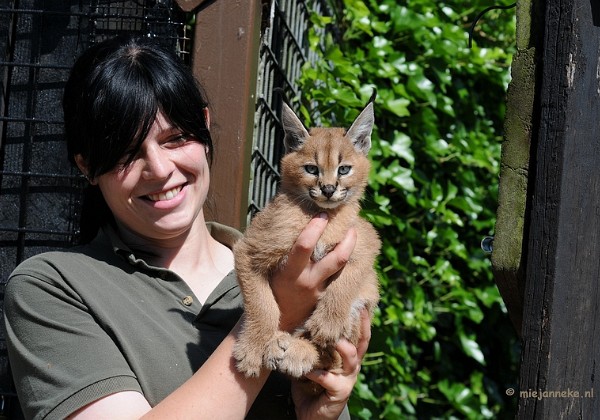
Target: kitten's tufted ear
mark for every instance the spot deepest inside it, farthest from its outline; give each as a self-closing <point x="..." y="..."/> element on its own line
<point x="295" y="133"/>
<point x="360" y="132"/>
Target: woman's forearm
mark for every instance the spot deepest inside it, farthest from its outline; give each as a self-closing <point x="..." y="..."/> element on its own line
<point x="216" y="390"/>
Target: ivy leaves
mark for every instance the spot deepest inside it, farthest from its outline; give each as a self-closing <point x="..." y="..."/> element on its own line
<point x="442" y="343"/>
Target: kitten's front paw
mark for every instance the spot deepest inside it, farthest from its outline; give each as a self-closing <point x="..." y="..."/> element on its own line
<point x="326" y="332"/>
<point x="293" y="356"/>
<point x="275" y="349"/>
<point x="249" y="361"/>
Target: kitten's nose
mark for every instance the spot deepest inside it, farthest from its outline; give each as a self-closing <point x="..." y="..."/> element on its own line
<point x="328" y="190"/>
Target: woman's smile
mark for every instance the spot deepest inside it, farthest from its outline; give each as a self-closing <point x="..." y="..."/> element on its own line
<point x="168" y="199"/>
<point x="165" y="196"/>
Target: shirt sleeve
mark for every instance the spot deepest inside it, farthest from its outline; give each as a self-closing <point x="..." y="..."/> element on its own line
<point x="60" y="357"/>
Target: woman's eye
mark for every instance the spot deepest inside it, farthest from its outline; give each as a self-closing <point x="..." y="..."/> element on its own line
<point x="182" y="138"/>
<point x="177" y="140"/>
<point x="344" y="169"/>
<point x="311" y="169"/>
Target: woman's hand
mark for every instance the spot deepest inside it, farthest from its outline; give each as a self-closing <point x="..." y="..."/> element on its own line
<point x="298" y="285"/>
<point x="337" y="386"/>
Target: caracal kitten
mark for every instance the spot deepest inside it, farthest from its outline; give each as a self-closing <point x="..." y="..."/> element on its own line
<point x="325" y="170"/>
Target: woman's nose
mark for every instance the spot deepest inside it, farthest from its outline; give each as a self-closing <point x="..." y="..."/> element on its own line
<point x="157" y="164"/>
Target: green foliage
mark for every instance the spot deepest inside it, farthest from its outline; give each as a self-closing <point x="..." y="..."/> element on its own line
<point x="442" y="344"/>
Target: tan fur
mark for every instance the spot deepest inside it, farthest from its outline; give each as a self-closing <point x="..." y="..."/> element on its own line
<point x="273" y="231"/>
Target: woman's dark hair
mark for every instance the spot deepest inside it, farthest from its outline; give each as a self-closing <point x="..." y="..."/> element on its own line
<point x="111" y="99"/>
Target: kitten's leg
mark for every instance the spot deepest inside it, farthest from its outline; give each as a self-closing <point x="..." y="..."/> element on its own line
<point x="338" y="311"/>
<point x="261" y="344"/>
<point x="259" y="326"/>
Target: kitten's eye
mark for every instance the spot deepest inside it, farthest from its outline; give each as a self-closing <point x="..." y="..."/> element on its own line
<point x="312" y="169"/>
<point x="344" y="169"/>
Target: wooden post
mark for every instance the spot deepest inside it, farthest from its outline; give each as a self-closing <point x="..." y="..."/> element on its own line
<point x="508" y="257"/>
<point x="225" y="61"/>
<point x="561" y="325"/>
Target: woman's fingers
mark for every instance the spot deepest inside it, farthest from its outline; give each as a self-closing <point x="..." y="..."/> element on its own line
<point x="338" y="384"/>
<point x="333" y="262"/>
<point x="299" y="260"/>
<point x="302" y="249"/>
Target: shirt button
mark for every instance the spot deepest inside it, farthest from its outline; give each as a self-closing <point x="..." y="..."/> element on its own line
<point x="188" y="300"/>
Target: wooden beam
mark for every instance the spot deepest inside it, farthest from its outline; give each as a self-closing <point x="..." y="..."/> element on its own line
<point x="225" y="60"/>
<point x="189" y="5"/>
<point x="561" y="342"/>
<point x="509" y="250"/>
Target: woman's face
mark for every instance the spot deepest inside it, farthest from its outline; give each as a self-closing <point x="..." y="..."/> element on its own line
<point x="161" y="192"/>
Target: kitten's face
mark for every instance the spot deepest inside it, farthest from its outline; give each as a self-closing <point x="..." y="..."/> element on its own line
<point x="327" y="170"/>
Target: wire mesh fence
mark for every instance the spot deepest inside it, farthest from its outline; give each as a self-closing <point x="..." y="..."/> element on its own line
<point x="39" y="41"/>
<point x="284" y="50"/>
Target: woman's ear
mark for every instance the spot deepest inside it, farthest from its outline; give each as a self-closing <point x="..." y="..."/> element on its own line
<point x="207" y="117"/>
<point x="82" y="165"/>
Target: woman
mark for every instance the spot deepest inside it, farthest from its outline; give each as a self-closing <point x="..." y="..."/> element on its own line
<point x="140" y="320"/>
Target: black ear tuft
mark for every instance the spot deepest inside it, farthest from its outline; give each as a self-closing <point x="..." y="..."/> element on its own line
<point x="373" y="96"/>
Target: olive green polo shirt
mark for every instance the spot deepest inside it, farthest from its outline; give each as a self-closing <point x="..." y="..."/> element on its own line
<point x="87" y="322"/>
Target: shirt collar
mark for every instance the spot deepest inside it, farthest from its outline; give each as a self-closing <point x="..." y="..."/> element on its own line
<point x="108" y="233"/>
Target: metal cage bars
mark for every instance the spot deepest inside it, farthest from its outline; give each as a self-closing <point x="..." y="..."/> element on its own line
<point x="284" y="50"/>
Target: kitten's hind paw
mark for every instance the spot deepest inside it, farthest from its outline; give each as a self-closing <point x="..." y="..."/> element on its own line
<point x="291" y="355"/>
<point x="248" y="362"/>
<point x="326" y="333"/>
